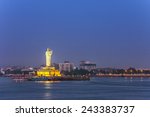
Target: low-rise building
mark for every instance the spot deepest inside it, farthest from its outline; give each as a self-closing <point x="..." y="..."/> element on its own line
<point x="66" y="66"/>
<point x="87" y="65"/>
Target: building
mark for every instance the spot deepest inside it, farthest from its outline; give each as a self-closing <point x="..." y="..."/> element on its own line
<point x="48" y="70"/>
<point x="2" y="71"/>
<point x="56" y="65"/>
<point x="87" y="65"/>
<point x="66" y="66"/>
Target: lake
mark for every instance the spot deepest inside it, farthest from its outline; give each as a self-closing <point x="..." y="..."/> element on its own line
<point x="119" y="88"/>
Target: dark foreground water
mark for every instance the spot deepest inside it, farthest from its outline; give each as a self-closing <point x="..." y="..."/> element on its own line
<point x="96" y="89"/>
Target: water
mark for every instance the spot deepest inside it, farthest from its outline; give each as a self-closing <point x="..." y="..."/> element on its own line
<point x="95" y="89"/>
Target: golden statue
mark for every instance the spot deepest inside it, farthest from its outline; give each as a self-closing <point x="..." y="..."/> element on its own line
<point x="48" y="70"/>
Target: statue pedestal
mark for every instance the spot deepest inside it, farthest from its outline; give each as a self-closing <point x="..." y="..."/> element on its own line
<point x="48" y="72"/>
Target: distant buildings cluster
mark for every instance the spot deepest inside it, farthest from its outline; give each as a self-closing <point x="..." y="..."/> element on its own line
<point x="65" y="66"/>
<point x="69" y="68"/>
<point x="8" y="70"/>
<point x="85" y="65"/>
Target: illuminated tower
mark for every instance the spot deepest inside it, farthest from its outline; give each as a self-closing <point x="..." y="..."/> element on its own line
<point x="48" y="55"/>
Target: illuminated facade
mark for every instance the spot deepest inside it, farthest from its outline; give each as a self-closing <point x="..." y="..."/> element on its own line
<point x="48" y="71"/>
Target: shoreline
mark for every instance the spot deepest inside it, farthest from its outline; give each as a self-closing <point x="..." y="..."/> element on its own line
<point x="122" y="75"/>
<point x="59" y="79"/>
<point x="25" y="77"/>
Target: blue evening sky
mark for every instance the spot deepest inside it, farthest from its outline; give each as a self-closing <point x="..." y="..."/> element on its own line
<point x="111" y="33"/>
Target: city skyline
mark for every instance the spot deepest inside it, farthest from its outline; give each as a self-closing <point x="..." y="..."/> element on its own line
<point x="109" y="33"/>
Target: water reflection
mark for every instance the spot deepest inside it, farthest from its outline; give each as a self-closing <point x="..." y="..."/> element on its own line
<point x="141" y="79"/>
<point x="96" y="88"/>
<point x="47" y="95"/>
<point x="131" y="79"/>
<point x="47" y="82"/>
<point x="48" y="87"/>
<point x="19" y="80"/>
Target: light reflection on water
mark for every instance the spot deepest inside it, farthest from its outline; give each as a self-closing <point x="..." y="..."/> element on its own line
<point x="96" y="88"/>
<point x="47" y="95"/>
<point x="47" y="86"/>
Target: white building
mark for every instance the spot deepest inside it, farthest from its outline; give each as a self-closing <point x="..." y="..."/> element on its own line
<point x="66" y="66"/>
<point x="2" y="71"/>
